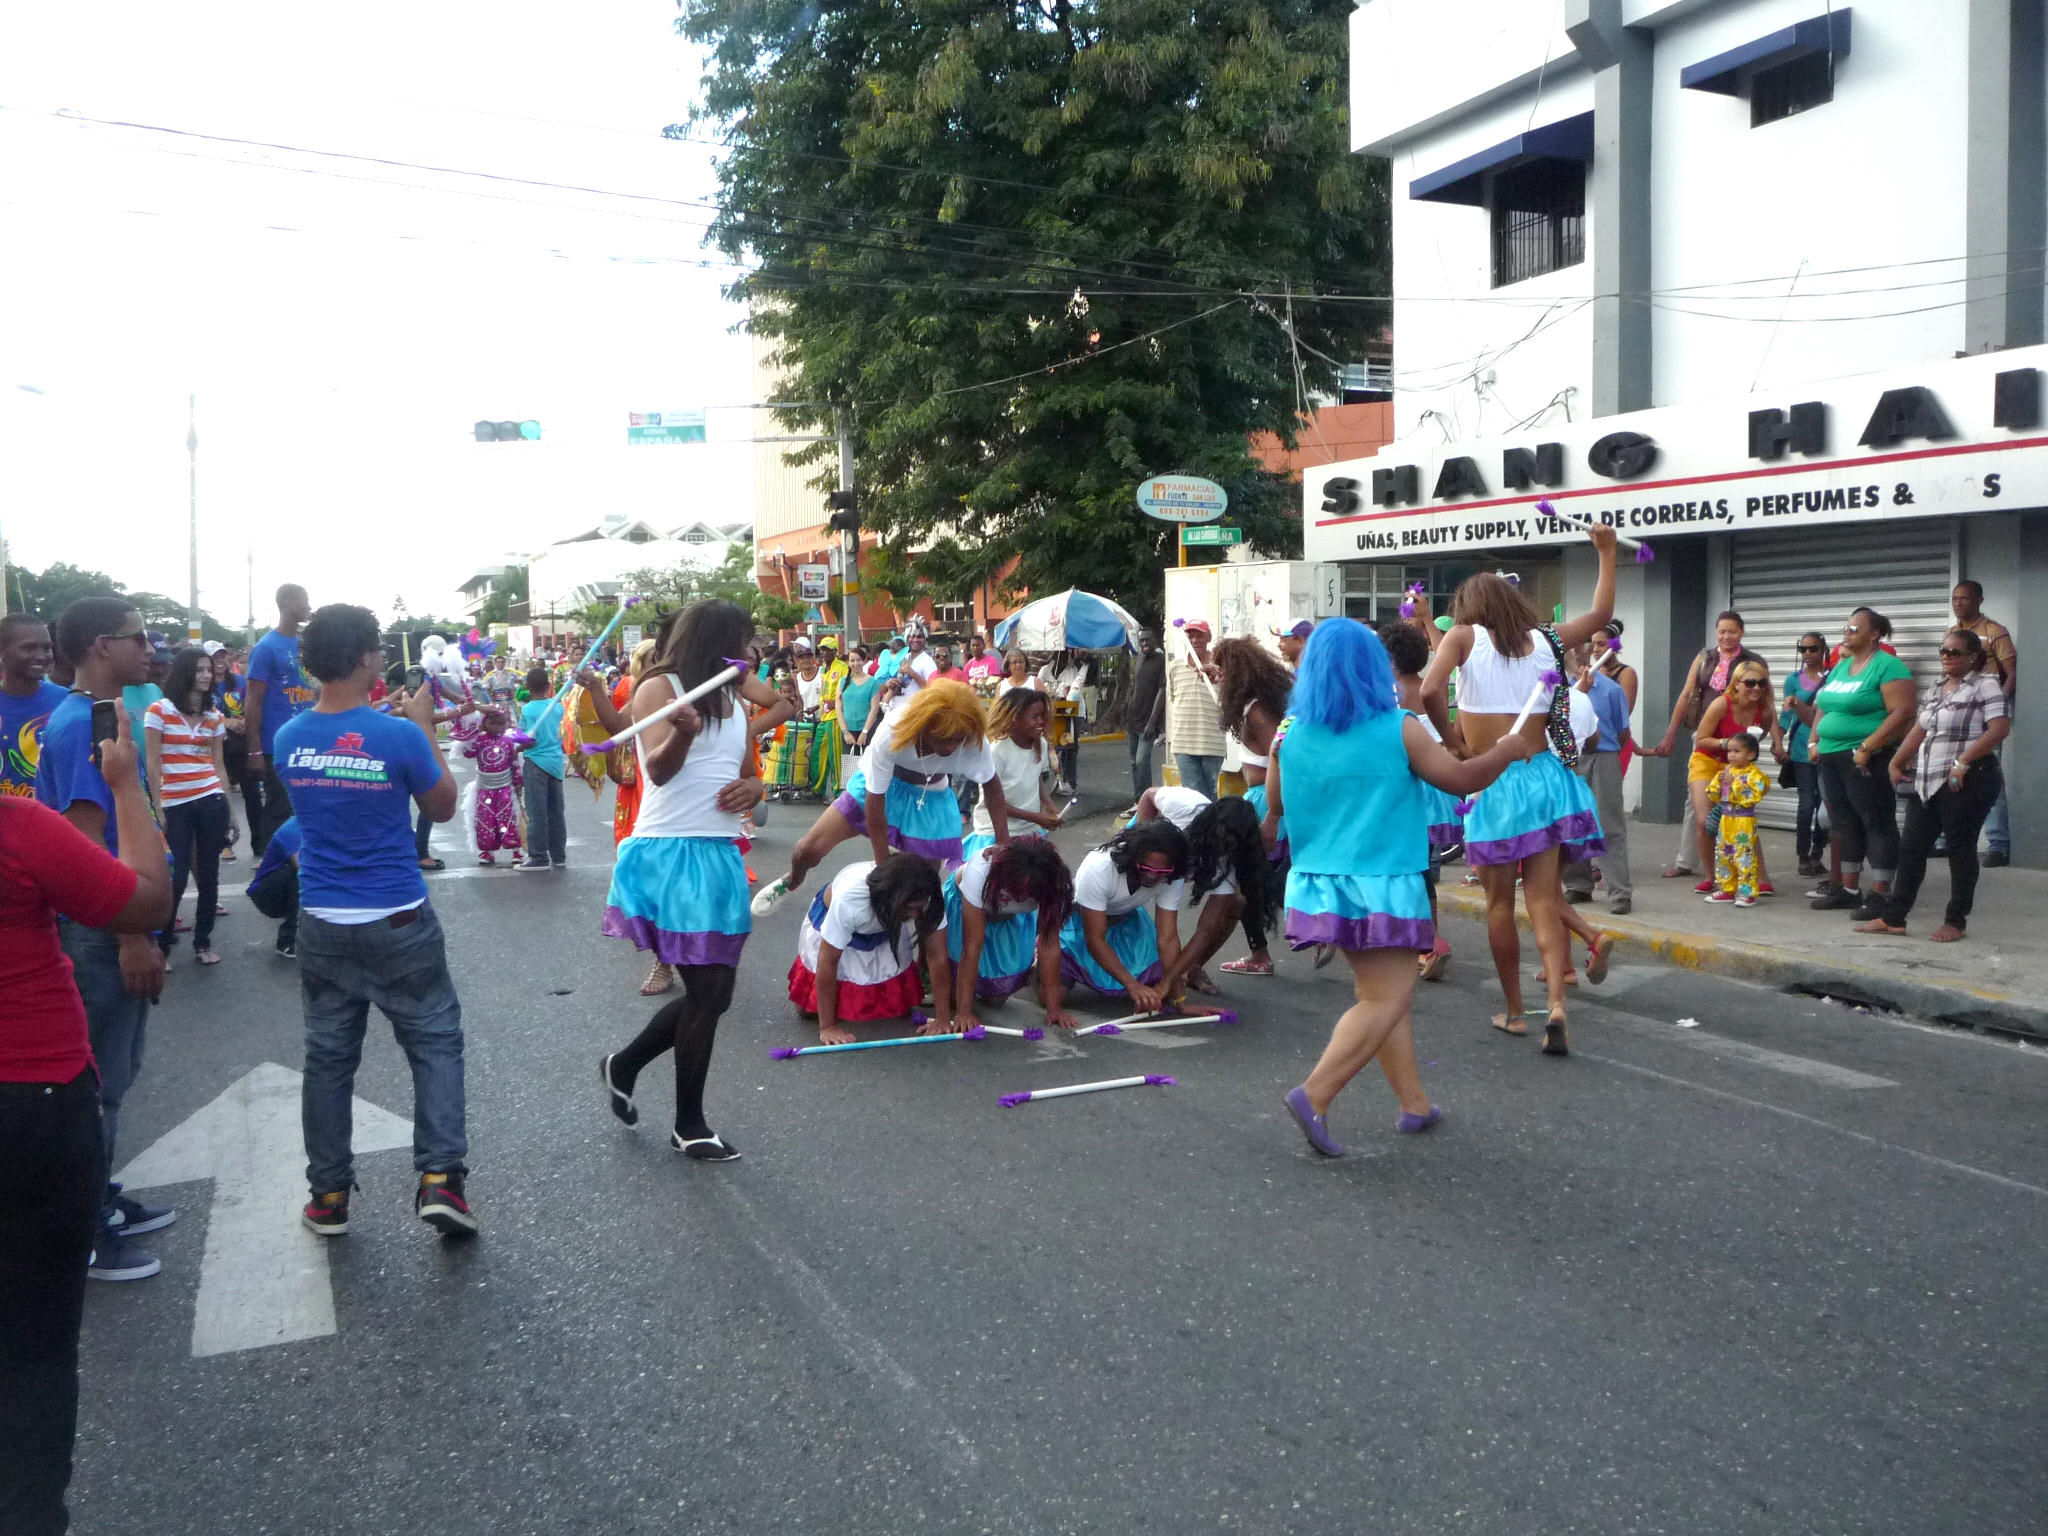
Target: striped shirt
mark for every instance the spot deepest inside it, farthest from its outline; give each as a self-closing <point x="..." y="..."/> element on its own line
<point x="187" y="751"/>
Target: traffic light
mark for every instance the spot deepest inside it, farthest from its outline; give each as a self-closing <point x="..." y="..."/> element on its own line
<point x="845" y="507"/>
<point x="508" y="431"/>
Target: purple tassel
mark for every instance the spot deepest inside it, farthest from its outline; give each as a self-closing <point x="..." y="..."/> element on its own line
<point x="1543" y="505"/>
<point x="1614" y="644"/>
<point x="1408" y="609"/>
<point x="1012" y="1100"/>
<point x="1226" y="1016"/>
<point x="1155" y="1080"/>
<point x="1107" y="1029"/>
<point x="1034" y="1033"/>
<point x="633" y="602"/>
<point x="741" y="662"/>
<point x="1464" y="807"/>
<point x="1645" y="555"/>
<point x="1180" y="623"/>
<point x="784" y="1053"/>
<point x="976" y="1033"/>
<point x="1550" y="679"/>
<point x="920" y="1019"/>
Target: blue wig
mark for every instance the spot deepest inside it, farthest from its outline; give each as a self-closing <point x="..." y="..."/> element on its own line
<point x="1344" y="679"/>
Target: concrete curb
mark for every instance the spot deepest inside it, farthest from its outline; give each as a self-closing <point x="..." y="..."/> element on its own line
<point x="1944" y="1003"/>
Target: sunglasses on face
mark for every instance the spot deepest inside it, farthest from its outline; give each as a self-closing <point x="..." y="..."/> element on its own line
<point x="1148" y="874"/>
<point x="1945" y="651"/>
<point x="1750" y="682"/>
<point x="140" y="635"/>
<point x="1812" y="647"/>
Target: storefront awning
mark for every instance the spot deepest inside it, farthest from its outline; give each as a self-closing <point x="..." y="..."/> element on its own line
<point x="1465" y="182"/>
<point x="1725" y="73"/>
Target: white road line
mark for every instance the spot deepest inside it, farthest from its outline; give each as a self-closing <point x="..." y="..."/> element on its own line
<point x="1839" y="1130"/>
<point x="1825" y="1072"/>
<point x="810" y="1286"/>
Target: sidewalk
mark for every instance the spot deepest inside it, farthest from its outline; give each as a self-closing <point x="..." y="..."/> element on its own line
<point x="1997" y="978"/>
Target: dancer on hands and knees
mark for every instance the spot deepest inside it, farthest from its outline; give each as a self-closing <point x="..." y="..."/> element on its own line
<point x="1123" y="934"/>
<point x="1251" y="693"/>
<point x="679" y="887"/>
<point x="1348" y="773"/>
<point x="1004" y="909"/>
<point x="1540" y="810"/>
<point x="1227" y="873"/>
<point x="857" y="953"/>
<point x="902" y="796"/>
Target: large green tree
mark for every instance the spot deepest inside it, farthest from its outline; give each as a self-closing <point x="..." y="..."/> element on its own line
<point x="1044" y="250"/>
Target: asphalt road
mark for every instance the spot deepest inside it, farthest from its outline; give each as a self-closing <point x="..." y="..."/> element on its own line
<point x="1779" y="1272"/>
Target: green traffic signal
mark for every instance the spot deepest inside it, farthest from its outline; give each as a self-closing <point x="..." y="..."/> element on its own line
<point x="507" y="431"/>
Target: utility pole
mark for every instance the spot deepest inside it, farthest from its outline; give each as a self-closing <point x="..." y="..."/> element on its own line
<point x="849" y="581"/>
<point x="249" y="639"/>
<point x="192" y="630"/>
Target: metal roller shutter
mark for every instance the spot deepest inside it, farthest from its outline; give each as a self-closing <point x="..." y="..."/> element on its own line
<point x="1784" y="584"/>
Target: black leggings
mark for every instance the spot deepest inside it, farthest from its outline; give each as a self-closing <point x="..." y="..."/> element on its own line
<point x="197" y="831"/>
<point x="1276" y="901"/>
<point x="1864" y="809"/>
<point x="687" y="1025"/>
<point x="1957" y="815"/>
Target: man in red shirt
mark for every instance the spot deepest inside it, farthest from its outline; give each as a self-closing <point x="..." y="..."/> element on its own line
<point x="52" y="1164"/>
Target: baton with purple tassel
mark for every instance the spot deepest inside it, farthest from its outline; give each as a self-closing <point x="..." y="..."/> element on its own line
<point x="791" y="1052"/>
<point x="1157" y="1021"/>
<point x="1644" y="554"/>
<point x="1033" y="1033"/>
<point x="1149" y="1080"/>
<point x="735" y="669"/>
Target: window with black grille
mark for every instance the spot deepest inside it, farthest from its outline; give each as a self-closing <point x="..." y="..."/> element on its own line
<point x="1792" y="87"/>
<point x="1539" y="219"/>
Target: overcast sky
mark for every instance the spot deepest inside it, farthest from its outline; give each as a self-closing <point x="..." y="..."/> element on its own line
<point x="343" y="334"/>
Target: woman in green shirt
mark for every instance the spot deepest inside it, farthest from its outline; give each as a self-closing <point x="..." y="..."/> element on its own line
<point x="1863" y="709"/>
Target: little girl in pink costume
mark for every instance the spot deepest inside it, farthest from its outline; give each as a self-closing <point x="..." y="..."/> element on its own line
<point x="498" y="780"/>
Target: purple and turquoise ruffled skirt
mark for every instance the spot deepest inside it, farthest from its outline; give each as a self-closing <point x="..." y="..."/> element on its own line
<point x="1359" y="911"/>
<point x="1536" y="805"/>
<point x="684" y="898"/>
<point x="924" y="819"/>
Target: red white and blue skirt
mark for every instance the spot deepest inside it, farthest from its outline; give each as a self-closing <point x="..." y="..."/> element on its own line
<point x="877" y="980"/>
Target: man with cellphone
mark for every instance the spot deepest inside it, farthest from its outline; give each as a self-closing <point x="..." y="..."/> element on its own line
<point x="119" y="975"/>
<point x="367" y="933"/>
<point x="273" y="692"/>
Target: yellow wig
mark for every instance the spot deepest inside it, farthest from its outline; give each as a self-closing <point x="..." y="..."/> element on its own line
<point x="947" y="713"/>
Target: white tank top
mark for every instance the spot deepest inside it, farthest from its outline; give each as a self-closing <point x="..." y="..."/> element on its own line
<point x="687" y="805"/>
<point x="1492" y="684"/>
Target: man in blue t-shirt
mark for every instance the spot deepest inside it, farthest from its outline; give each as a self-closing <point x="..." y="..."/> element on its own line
<point x="366" y="931"/>
<point x="27" y="697"/>
<point x="274" y="690"/>
<point x="547" y="833"/>
<point x="118" y="975"/>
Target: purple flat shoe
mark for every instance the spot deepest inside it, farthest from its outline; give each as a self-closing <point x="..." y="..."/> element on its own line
<point x="1313" y="1126"/>
<point x="1411" y="1124"/>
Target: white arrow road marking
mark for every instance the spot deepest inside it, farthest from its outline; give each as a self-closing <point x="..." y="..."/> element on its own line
<point x="263" y="1279"/>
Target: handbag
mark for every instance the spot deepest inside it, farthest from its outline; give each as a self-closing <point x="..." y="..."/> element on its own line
<point x="1787" y="779"/>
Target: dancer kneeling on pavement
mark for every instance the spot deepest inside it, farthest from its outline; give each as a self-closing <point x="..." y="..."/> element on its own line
<point x="1348" y="773"/>
<point x="901" y="797"/>
<point x="679" y="887"/>
<point x="856" y="956"/>
<point x="1110" y="941"/>
<point x="1540" y="810"/>
<point x="1004" y="909"/>
<point x="1227" y="873"/>
<point x="367" y="933"/>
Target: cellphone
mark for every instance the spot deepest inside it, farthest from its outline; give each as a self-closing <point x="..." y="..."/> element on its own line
<point x="106" y="724"/>
<point x="414" y="676"/>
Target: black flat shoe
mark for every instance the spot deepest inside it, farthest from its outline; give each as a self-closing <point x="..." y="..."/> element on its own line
<point x="621" y="1103"/>
<point x="705" y="1149"/>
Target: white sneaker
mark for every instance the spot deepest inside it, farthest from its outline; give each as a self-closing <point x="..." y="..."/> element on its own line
<point x="769" y="896"/>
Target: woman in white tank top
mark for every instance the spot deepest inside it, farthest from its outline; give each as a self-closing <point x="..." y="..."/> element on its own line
<point x="1539" y="811"/>
<point x="679" y="887"/>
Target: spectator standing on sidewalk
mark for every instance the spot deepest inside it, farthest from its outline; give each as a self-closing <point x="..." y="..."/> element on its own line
<point x="1705" y="681"/>
<point x="274" y="691"/>
<point x="52" y="1165"/>
<point x="1295" y="636"/>
<point x="1193" y="723"/>
<point x="1747" y="705"/>
<point x="1600" y="767"/>
<point x="1145" y="709"/>
<point x="1866" y="707"/>
<point x="367" y="933"/>
<point x="27" y="698"/>
<point x="1796" y="719"/>
<point x="188" y="781"/>
<point x="547" y="832"/>
<point x="2002" y="662"/>
<point x="1950" y="757"/>
<point x="118" y="973"/>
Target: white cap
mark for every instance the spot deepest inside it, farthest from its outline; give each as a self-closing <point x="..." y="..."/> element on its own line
<point x="212" y="647"/>
<point x="800" y="646"/>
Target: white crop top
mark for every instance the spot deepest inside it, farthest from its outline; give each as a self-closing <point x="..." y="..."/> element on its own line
<point x="1492" y="684"/>
<point x="687" y="805"/>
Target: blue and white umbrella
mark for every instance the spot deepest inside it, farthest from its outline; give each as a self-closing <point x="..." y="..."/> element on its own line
<point x="1073" y="620"/>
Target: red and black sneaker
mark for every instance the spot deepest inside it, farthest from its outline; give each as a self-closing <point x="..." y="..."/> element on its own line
<point x="327" y="1212"/>
<point x="441" y="1205"/>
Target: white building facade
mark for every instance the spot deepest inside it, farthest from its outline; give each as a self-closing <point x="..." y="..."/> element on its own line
<point x="1758" y="281"/>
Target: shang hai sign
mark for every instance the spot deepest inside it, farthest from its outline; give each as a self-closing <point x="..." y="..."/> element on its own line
<point x="1967" y="435"/>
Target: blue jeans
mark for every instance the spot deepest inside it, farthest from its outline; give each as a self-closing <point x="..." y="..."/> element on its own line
<point x="1998" y="825"/>
<point x="115" y="1021"/>
<point x="547" y="833"/>
<point x="343" y="968"/>
<point x="1198" y="772"/>
<point x="1141" y="761"/>
<point x="1809" y="839"/>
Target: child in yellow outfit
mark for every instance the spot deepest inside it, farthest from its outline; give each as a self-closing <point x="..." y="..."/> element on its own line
<point x="1738" y="790"/>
